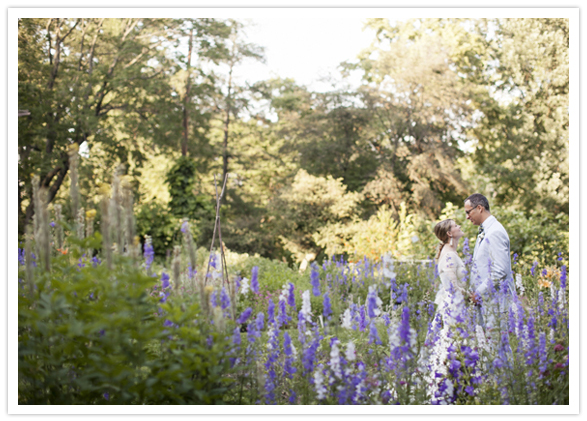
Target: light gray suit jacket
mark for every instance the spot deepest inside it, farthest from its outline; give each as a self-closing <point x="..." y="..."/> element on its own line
<point x="491" y="258"/>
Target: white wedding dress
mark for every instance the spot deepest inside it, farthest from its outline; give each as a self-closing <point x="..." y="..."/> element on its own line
<point x="450" y="297"/>
<point x="451" y="304"/>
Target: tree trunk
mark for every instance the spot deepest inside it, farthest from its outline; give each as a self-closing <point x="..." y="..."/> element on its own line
<point x="61" y="172"/>
<point x="184" y="144"/>
<point x="227" y="125"/>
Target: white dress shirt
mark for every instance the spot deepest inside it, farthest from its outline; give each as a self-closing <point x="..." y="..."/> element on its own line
<point x="491" y="257"/>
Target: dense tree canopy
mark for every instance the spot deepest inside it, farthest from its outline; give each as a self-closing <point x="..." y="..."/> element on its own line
<point x="446" y="106"/>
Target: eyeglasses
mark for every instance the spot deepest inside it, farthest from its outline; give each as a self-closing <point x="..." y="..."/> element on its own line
<point x="469" y="211"/>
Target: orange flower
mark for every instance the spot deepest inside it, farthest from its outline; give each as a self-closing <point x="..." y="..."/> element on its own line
<point x="62" y="251"/>
<point x="545" y="279"/>
<point x="544" y="283"/>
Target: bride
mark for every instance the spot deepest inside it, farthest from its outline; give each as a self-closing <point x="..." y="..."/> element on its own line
<point x="450" y="298"/>
<point x="451" y="309"/>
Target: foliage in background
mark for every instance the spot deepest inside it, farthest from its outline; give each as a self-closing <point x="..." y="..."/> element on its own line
<point x="523" y="134"/>
<point x="447" y="107"/>
<point x="309" y="205"/>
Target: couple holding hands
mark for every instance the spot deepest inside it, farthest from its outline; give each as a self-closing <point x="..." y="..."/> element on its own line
<point x="488" y="286"/>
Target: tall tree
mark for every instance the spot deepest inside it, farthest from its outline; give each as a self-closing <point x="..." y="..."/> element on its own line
<point x="421" y="105"/>
<point x="109" y="83"/>
<point x="233" y="99"/>
<point x="523" y="135"/>
<point x="73" y="75"/>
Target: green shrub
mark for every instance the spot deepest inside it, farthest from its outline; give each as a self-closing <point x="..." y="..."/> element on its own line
<point x="90" y="335"/>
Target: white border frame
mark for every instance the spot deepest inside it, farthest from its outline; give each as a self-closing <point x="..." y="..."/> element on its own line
<point x="295" y="13"/>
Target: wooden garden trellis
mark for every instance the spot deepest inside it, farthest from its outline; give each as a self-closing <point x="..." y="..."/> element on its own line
<point x="217" y="228"/>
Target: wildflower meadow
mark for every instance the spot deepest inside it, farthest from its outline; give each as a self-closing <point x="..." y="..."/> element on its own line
<point x="101" y="322"/>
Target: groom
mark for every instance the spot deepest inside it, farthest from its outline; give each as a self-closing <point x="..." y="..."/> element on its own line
<point x="491" y="262"/>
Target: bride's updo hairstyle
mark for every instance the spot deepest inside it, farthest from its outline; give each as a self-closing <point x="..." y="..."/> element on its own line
<point x="441" y="231"/>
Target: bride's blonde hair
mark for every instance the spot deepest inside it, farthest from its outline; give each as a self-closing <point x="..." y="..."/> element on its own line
<point x="441" y="231"/>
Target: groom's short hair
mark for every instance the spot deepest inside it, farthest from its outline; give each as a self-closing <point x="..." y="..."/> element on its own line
<point x="477" y="199"/>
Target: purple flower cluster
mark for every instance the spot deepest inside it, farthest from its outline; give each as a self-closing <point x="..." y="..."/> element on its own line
<point x="224" y="299"/>
<point x="283" y="319"/>
<point x="165" y="287"/>
<point x="149" y="254"/>
<point x="315" y="281"/>
<point x="291" y="298"/>
<point x="327" y="308"/>
<point x="255" y="279"/>
<point x="244" y="316"/>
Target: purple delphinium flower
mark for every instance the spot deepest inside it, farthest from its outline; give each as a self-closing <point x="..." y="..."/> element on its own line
<point x="96" y="261"/>
<point x="271" y="312"/>
<point x="81" y="263"/>
<point x="106" y="396"/>
<point x="302" y="327"/>
<point x="291" y="299"/>
<point x="560" y="257"/>
<point x="542" y="356"/>
<point x="21" y="256"/>
<point x="292" y="397"/>
<point x="164" y="280"/>
<point x="236" y="336"/>
<point x="259" y="321"/>
<point x="404" y="327"/>
<point x="358" y="383"/>
<point x="184" y="227"/>
<point x="374" y="335"/>
<point x="288" y="367"/>
<point x="244" y="315"/>
<point x="372" y="303"/>
<point x="404" y="296"/>
<point x="563" y="277"/>
<point x="255" y="279"/>
<point x="327" y="309"/>
<point x="541" y="302"/>
<point x="224" y="299"/>
<point x="471" y="356"/>
<point x="282" y="318"/>
<point x="309" y="355"/>
<point x="168" y="323"/>
<point x="148" y="253"/>
<point x="362" y="319"/>
<point x="315" y="281"/>
<point x="466" y="250"/>
<point x="393" y="289"/>
<point x="254" y="328"/>
<point x="533" y="268"/>
<point x="214" y="299"/>
<point x="272" y="357"/>
<point x="191" y="272"/>
<point x="515" y="259"/>
<point x="531" y="351"/>
<point x="236" y="341"/>
<point x="165" y="287"/>
<point x="52" y="223"/>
